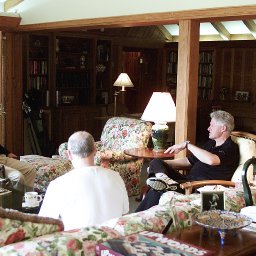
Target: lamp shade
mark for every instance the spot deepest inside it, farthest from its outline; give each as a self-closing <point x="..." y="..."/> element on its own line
<point x="160" y="108"/>
<point x="123" y="81"/>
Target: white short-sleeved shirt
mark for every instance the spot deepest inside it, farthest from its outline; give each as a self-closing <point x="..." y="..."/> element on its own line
<point x="85" y="197"/>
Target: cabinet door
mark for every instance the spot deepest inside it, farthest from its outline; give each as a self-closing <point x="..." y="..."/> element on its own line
<point x="72" y="119"/>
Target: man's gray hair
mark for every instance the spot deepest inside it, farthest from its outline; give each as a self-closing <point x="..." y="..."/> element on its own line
<point x="81" y="143"/>
<point x="224" y="118"/>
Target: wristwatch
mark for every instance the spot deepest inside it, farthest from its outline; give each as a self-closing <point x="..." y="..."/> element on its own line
<point x="187" y="142"/>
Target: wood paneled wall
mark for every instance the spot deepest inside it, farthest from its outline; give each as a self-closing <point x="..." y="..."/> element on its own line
<point x="14" y="93"/>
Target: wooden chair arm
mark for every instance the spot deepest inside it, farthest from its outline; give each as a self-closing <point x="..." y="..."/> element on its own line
<point x="190" y="185"/>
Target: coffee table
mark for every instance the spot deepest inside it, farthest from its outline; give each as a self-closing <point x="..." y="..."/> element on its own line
<point x="240" y="243"/>
<point x="13" y="199"/>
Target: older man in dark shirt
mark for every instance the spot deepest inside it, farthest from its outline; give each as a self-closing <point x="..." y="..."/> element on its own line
<point x="217" y="160"/>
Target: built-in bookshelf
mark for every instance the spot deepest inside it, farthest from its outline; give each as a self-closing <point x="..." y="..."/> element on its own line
<point x="37" y="66"/>
<point x="171" y="76"/>
<point x="103" y="71"/>
<point x="73" y="67"/>
<point x="205" y="74"/>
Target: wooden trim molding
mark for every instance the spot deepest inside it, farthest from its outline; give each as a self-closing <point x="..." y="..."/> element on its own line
<point x="8" y="23"/>
<point x="204" y="15"/>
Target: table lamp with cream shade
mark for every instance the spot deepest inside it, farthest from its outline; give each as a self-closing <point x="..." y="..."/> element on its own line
<point x="160" y="110"/>
<point x="123" y="81"/>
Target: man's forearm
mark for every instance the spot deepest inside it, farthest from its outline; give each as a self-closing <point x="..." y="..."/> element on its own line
<point x="203" y="155"/>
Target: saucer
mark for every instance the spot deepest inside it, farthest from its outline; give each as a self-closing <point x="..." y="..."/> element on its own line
<point x="24" y="205"/>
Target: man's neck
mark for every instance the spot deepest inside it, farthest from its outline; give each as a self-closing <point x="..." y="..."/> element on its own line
<point x="219" y="141"/>
<point x="82" y="162"/>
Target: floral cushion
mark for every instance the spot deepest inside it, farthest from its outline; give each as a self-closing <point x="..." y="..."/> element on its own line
<point x="16" y="226"/>
<point x="47" y="169"/>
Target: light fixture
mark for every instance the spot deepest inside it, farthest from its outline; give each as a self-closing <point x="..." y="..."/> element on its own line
<point x="160" y="110"/>
<point x="123" y="81"/>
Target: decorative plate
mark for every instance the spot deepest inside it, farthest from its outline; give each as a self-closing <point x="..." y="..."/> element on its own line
<point x="222" y="220"/>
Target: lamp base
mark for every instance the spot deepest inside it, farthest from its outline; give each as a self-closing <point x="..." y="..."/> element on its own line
<point x="160" y="133"/>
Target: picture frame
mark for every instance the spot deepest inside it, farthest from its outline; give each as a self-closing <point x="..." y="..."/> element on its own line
<point x="212" y="200"/>
<point x="242" y="96"/>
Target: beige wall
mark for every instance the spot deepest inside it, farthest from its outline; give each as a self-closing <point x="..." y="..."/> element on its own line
<point x="41" y="11"/>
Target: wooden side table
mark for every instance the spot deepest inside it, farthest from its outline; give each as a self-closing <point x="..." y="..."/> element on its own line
<point x="147" y="153"/>
<point x="241" y="243"/>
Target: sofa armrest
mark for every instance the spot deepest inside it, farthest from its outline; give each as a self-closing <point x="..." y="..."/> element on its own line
<point x="17" y="226"/>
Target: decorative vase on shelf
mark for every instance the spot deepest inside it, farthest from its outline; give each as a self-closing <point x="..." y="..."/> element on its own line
<point x="83" y="60"/>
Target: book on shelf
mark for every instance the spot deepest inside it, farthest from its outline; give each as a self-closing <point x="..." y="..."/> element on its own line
<point x="148" y="244"/>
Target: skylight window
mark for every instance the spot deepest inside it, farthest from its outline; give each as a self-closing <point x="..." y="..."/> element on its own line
<point x="236" y="27"/>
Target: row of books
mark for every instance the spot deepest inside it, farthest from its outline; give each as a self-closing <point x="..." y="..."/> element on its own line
<point x="38" y="67"/>
<point x="205" y="68"/>
<point x="173" y="57"/>
<point x="205" y="81"/>
<point x="204" y="93"/>
<point x="172" y="68"/>
<point x="206" y="57"/>
<point x="38" y="82"/>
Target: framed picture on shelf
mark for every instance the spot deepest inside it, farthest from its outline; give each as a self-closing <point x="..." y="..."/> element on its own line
<point x="212" y="200"/>
<point x="242" y="96"/>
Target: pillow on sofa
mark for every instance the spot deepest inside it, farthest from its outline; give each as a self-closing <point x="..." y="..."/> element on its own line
<point x="17" y="226"/>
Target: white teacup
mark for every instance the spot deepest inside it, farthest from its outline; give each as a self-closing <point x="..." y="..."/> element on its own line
<point x="32" y="199"/>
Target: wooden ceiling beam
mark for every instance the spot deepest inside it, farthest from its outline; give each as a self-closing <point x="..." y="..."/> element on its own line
<point x="250" y="24"/>
<point x="165" y="33"/>
<point x="225" y="35"/>
<point x="8" y="4"/>
<point x="203" y="15"/>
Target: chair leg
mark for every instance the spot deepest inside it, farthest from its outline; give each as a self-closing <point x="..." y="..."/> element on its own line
<point x="143" y="191"/>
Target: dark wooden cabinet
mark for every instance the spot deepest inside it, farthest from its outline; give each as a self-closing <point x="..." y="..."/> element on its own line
<point x="73" y="75"/>
<point x="69" y="119"/>
<point x="73" y="70"/>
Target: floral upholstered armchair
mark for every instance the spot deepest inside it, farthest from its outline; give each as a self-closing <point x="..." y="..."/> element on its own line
<point x="120" y="133"/>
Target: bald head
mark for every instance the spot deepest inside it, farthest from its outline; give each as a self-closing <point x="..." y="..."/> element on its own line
<point x="81" y="144"/>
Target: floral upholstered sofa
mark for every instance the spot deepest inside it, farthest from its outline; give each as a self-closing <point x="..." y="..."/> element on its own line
<point x="48" y="169"/>
<point x="22" y="237"/>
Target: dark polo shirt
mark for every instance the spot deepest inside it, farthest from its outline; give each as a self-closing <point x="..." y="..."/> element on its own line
<point x="228" y="153"/>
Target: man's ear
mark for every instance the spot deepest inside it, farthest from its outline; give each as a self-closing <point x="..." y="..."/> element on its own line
<point x="224" y="128"/>
<point x="69" y="155"/>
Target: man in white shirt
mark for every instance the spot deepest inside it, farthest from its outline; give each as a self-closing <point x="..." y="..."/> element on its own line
<point x="88" y="194"/>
